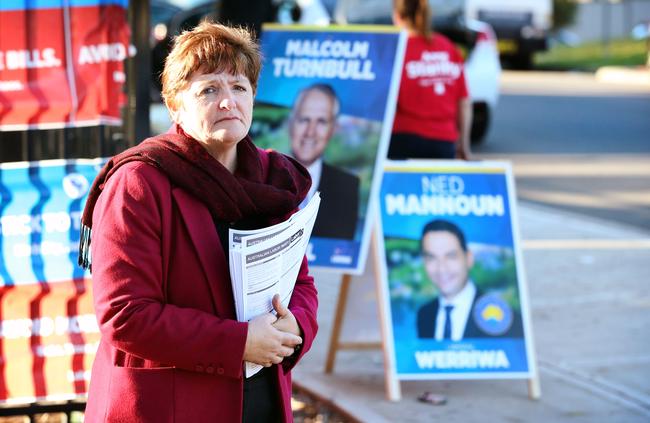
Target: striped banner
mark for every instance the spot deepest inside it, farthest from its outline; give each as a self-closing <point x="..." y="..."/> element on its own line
<point x="48" y="331"/>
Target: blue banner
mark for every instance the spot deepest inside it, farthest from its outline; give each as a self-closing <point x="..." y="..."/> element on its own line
<point x="478" y="202"/>
<point x="40" y="216"/>
<point x="358" y="65"/>
<point x="453" y="266"/>
<point x="327" y="97"/>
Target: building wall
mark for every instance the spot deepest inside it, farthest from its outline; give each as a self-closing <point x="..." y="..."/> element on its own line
<point x="598" y="20"/>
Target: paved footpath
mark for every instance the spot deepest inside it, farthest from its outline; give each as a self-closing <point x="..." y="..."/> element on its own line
<point x="589" y="285"/>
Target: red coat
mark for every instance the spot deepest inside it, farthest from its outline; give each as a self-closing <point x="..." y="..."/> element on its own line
<point x="171" y="348"/>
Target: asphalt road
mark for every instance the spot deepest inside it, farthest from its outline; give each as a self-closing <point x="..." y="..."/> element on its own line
<point x="575" y="143"/>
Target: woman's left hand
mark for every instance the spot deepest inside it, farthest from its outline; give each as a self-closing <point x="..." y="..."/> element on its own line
<point x="463" y="154"/>
<point x="286" y="321"/>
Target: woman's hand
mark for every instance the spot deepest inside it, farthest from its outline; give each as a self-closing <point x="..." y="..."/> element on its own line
<point x="286" y="321"/>
<point x="462" y="152"/>
<point x="464" y="143"/>
<point x="266" y="344"/>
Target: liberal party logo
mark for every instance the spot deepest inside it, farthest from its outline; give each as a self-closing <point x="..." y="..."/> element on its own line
<point x="75" y="185"/>
<point x="492" y="314"/>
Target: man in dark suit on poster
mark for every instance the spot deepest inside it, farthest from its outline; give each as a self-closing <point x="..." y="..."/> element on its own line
<point x="461" y="310"/>
<point x="311" y="125"/>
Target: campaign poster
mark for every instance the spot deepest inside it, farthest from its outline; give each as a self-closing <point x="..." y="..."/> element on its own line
<point x="48" y="330"/>
<point x="61" y="63"/>
<point x="326" y="97"/>
<point x="455" y="283"/>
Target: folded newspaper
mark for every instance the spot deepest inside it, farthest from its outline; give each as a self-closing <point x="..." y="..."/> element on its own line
<point x="266" y="261"/>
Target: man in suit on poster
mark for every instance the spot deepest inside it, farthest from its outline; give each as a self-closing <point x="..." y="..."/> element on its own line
<point x="311" y="125"/>
<point x="461" y="310"/>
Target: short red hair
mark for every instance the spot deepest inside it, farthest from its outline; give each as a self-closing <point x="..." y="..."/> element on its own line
<point x="210" y="47"/>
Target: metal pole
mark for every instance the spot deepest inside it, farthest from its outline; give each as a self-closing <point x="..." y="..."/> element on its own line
<point x="606" y="21"/>
<point x="139" y="73"/>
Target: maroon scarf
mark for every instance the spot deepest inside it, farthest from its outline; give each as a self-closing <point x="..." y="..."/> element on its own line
<point x="247" y="193"/>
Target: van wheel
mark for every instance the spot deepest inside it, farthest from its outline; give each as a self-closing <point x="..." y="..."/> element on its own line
<point x="523" y="61"/>
<point x="480" y="122"/>
<point x="518" y="61"/>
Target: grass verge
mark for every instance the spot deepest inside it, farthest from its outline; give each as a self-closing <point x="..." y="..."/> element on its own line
<point x="591" y="56"/>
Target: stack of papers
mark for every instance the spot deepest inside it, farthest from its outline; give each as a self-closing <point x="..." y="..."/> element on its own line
<point x="266" y="261"/>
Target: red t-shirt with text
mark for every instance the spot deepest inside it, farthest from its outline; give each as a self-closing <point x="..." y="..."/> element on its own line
<point x="433" y="82"/>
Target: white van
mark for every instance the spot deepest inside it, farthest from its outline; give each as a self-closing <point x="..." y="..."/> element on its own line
<point x="522" y="26"/>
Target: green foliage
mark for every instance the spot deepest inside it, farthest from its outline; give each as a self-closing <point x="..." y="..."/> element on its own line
<point x="489" y="277"/>
<point x="591" y="56"/>
<point x="502" y="278"/>
<point x="564" y="13"/>
<point x="268" y="129"/>
<point x="408" y="283"/>
<point x="271" y="114"/>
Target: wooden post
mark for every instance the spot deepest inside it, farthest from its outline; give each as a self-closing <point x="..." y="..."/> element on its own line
<point x="336" y="344"/>
<point x="392" y="386"/>
<point x="391" y="383"/>
<point x="534" y="388"/>
<point x="338" y="322"/>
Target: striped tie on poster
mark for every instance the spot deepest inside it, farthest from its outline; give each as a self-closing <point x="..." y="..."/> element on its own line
<point x="48" y="331"/>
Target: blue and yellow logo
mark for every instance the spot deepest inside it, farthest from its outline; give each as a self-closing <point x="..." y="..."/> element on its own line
<point x="492" y="314"/>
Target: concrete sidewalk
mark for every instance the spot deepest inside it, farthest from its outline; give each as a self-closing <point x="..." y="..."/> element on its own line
<point x="624" y="75"/>
<point x="590" y="307"/>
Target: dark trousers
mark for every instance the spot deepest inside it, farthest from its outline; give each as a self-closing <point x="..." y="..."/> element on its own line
<point x="261" y="399"/>
<point x="410" y="146"/>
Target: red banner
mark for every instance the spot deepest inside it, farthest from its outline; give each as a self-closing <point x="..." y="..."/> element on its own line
<point x="62" y="66"/>
<point x="49" y="338"/>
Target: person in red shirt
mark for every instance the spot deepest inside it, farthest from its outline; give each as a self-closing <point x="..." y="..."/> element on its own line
<point x="433" y="114"/>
